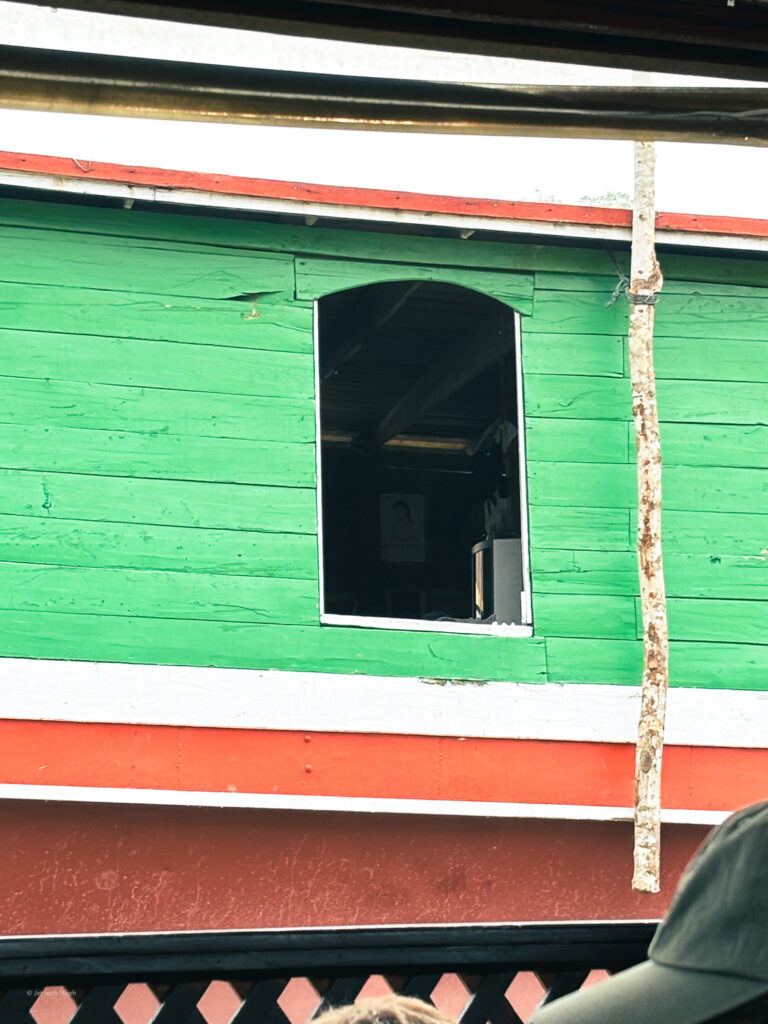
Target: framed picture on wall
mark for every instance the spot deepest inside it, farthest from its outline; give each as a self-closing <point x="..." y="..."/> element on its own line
<point x="401" y="519"/>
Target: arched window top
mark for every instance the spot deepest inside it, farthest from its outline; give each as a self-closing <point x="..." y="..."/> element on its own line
<point x="420" y="322"/>
<point x="316" y="278"/>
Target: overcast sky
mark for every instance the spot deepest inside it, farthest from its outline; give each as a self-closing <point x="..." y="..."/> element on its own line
<point x="690" y="177"/>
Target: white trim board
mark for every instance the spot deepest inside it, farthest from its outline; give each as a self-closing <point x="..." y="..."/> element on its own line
<point x="426" y="626"/>
<point x="347" y="805"/>
<point x="73" y="691"/>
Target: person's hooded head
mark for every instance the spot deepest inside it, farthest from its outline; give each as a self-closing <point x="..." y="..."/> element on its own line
<point x="709" y="954"/>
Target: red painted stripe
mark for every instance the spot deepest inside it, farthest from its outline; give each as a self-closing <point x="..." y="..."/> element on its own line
<point x="377" y="766"/>
<point x="556" y="213"/>
<point x="712" y="224"/>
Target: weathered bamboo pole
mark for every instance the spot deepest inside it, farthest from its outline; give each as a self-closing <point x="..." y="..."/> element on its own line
<point x="645" y="284"/>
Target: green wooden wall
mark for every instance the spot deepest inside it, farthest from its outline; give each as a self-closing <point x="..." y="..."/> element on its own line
<point x="157" y="461"/>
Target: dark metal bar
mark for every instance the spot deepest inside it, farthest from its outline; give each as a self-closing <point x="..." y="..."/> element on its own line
<point x="180" y="1004"/>
<point x="97" y="1006"/>
<point x="688" y="36"/>
<point x="261" y="1006"/>
<point x="179" y="968"/>
<point x="565" y="983"/>
<point x="137" y="87"/>
<point x="421" y="986"/>
<point x="343" y="990"/>
<point x="332" y="952"/>
<point x="15" y="1005"/>
<point x="488" y="1002"/>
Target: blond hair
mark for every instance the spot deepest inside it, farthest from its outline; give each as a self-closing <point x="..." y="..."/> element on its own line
<point x="385" y="1010"/>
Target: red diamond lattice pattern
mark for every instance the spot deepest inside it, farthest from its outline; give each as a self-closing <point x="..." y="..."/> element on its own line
<point x="500" y="997"/>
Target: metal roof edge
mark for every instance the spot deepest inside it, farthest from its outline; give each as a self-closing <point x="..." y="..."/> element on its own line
<point x="67" y="174"/>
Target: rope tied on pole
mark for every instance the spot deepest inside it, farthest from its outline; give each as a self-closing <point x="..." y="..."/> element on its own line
<point x="624" y="287"/>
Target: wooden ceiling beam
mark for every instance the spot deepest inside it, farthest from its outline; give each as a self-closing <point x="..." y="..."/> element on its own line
<point x="356" y="329"/>
<point x="458" y="366"/>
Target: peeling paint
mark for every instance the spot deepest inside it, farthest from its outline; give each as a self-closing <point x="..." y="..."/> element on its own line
<point x="437" y="681"/>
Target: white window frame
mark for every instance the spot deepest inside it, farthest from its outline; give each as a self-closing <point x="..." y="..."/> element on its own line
<point x="420" y="625"/>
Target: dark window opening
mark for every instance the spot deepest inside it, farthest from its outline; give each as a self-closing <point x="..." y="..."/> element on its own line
<point x="421" y="505"/>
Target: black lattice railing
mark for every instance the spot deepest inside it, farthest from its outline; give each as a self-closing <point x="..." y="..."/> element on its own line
<point x="479" y="974"/>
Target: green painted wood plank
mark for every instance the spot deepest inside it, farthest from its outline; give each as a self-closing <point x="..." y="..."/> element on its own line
<point x="155" y="455"/>
<point x="210" y="229"/>
<point x="700" y="316"/>
<point x="89" y="261"/>
<point x="599" y="355"/>
<point x="715" y="533"/>
<point x="163" y="502"/>
<point x="741" y="622"/>
<point x="133" y="409"/>
<point x="712" y="401"/>
<point x="158" y="364"/>
<point x="682" y="444"/>
<point x="595" y="485"/>
<point x="179" y="549"/>
<point x="436" y="656"/>
<point x="690" y="488"/>
<point x="575" y="313"/>
<point x="598" y="529"/>
<point x="567" y="440"/>
<point x="682" y="316"/>
<point x="699" y="444"/>
<point x="318" y="277"/>
<point x="559" y="281"/>
<point x="709" y="665"/>
<point x="605" y="283"/>
<point x="719" y="666"/>
<point x="727" y="490"/>
<point x="56" y="222"/>
<point x="272" y="321"/>
<point x="713" y="358"/>
<point x="578" y="397"/>
<point x="594" y="616"/>
<point x="245" y="233"/>
<point x="736" y="577"/>
<point x="587" y="660"/>
<point x="692" y="401"/>
<point x="576" y="573"/>
<point x="158" y="594"/>
<point x="718" y="269"/>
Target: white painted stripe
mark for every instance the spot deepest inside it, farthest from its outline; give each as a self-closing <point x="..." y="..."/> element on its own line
<point x="326" y="702"/>
<point x="227" y="201"/>
<point x="341" y="804"/>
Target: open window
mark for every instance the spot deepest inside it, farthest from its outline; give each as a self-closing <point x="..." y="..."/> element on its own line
<point x="422" y="518"/>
